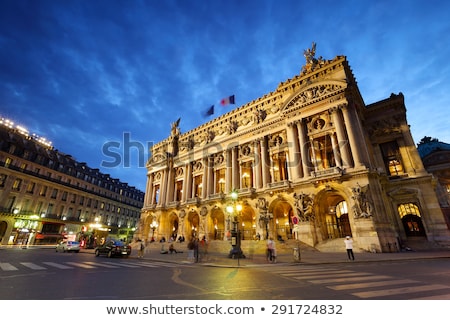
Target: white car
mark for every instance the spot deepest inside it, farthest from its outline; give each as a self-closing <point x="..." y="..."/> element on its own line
<point x="68" y="246"/>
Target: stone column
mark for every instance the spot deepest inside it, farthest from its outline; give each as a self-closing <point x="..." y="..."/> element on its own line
<point x="342" y="141"/>
<point x="149" y="190"/>
<point x="265" y="166"/>
<point x="205" y="163"/>
<point x="235" y="168"/>
<point x="187" y="182"/>
<point x="352" y="135"/>
<point x="303" y="149"/>
<point x="257" y="173"/>
<point x="229" y="170"/>
<point x="335" y="147"/>
<point x="293" y="152"/>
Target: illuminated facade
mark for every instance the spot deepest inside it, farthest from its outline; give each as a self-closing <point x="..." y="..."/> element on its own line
<point x="46" y="195"/>
<point x="310" y="161"/>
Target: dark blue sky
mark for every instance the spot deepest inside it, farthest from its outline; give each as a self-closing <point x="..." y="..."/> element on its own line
<point x="96" y="76"/>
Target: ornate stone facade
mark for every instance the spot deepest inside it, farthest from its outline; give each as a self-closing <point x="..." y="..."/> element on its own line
<point x="309" y="161"/>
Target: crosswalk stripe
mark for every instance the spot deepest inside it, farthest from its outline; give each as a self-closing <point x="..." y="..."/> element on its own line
<point x="328" y="275"/>
<point x="126" y="265"/>
<point x="32" y="266"/>
<point x="398" y="291"/>
<point x="81" y="265"/>
<point x="337" y="272"/>
<point x="352" y="286"/>
<point x="102" y="265"/>
<point x="7" y="267"/>
<point x="57" y="265"/>
<point x="350" y="279"/>
<point x="437" y="297"/>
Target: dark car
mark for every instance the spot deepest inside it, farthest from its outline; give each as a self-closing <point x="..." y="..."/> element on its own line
<point x="112" y="248"/>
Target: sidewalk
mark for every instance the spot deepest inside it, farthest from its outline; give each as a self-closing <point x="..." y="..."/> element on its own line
<point x="284" y="256"/>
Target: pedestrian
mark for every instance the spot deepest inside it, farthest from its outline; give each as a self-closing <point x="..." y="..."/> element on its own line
<point x="349" y="246"/>
<point x="204" y="249"/>
<point x="271" y="250"/>
<point x="172" y="249"/>
<point x="141" y="249"/>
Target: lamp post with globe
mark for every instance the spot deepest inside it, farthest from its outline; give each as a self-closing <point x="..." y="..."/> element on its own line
<point x="234" y="208"/>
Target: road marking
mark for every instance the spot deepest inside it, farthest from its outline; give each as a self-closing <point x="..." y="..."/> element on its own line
<point x="126" y="265"/>
<point x="7" y="267"/>
<point x="81" y="265"/>
<point x="353" y="286"/>
<point x="329" y="275"/>
<point x="102" y="265"/>
<point x="399" y="291"/>
<point x="350" y="279"/>
<point x="32" y="266"/>
<point x="299" y="273"/>
<point x="57" y="265"/>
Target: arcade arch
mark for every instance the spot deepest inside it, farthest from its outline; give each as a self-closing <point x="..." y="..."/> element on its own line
<point x="332" y="215"/>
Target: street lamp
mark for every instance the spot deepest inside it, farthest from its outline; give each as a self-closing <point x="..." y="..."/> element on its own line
<point x="153" y="226"/>
<point x="234" y="209"/>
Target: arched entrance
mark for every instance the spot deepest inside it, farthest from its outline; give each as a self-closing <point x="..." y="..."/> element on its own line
<point x="282" y="219"/>
<point x="173" y="225"/>
<point x="333" y="216"/>
<point x="193" y="224"/>
<point x="411" y="219"/>
<point x="216" y="224"/>
<point x="247" y="220"/>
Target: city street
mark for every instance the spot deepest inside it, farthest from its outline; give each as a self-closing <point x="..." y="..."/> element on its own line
<point x="44" y="274"/>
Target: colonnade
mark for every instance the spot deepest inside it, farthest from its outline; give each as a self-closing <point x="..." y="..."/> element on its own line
<point x="214" y="177"/>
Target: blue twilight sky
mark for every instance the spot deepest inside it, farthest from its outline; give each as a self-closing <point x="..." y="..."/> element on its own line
<point x="97" y="76"/>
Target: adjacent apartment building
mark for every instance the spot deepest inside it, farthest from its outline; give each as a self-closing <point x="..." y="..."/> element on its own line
<point x="308" y="161"/>
<point x="46" y="195"/>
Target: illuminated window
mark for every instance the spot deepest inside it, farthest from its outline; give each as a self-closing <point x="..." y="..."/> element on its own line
<point x="16" y="185"/>
<point x="392" y="158"/>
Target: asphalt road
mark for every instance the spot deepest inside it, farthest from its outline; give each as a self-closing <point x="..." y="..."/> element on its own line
<point x="43" y="274"/>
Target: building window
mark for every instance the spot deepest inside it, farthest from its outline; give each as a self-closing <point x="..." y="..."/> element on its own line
<point x="64" y="196"/>
<point x="54" y="193"/>
<point x="392" y="158"/>
<point x="279" y="167"/>
<point x="247" y="175"/>
<point x="16" y="185"/>
<point x="3" y="180"/>
<point x="178" y="190"/>
<point x="43" y="191"/>
<point x="198" y="186"/>
<point x="156" y="195"/>
<point x="30" y="187"/>
<point x="220" y="181"/>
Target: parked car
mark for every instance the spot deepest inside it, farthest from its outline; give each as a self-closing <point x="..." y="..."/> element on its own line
<point x="113" y="247"/>
<point x="68" y="246"/>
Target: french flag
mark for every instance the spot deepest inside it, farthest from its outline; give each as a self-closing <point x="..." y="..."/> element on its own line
<point x="227" y="101"/>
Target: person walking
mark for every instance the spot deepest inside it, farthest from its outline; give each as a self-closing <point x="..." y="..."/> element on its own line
<point x="271" y="250"/>
<point x="141" y="249"/>
<point x="349" y="247"/>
